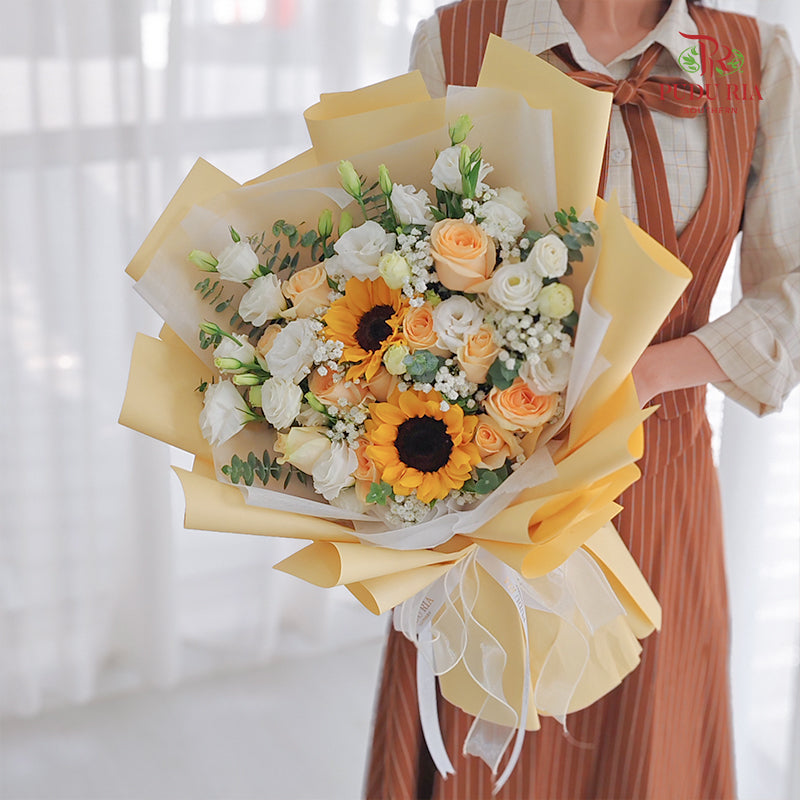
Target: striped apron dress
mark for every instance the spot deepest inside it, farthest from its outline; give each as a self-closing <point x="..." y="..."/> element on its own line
<point x="665" y="732"/>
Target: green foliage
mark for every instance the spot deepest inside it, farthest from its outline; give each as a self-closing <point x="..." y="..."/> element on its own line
<point x="265" y="469"/>
<point x="570" y="322"/>
<point x="470" y="165"/>
<point x="379" y="493"/>
<point x="277" y="259"/>
<point x="500" y="376"/>
<point x="486" y="480"/>
<point x="211" y="293"/>
<point x="377" y="206"/>
<point x="575" y="233"/>
<point x="449" y="205"/>
<point x="422" y="366"/>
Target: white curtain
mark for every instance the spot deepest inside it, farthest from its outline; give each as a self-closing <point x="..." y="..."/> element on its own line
<point x="105" y="105"/>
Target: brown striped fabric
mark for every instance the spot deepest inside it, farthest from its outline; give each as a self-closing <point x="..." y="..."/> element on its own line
<point x="665" y="733"/>
<point x="465" y="28"/>
<point x="637" y="96"/>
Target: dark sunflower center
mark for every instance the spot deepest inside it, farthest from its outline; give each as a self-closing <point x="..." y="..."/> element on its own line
<point x="373" y="329"/>
<point x="423" y="443"/>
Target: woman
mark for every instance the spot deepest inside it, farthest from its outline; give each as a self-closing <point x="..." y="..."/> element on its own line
<point x="666" y="731"/>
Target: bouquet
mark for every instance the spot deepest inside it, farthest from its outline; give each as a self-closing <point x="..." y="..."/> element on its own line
<point x="414" y="391"/>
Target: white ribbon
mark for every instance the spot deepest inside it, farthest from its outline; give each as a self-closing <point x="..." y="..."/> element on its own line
<point x="577" y="592"/>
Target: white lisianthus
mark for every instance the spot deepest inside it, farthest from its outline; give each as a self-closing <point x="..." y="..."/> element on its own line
<point x="513" y="200"/>
<point x="359" y="250"/>
<point x="550" y="373"/>
<point x="237" y="262"/>
<point x="394" y="270"/>
<point x="302" y="447"/>
<point x="411" y="205"/>
<point x="454" y="320"/>
<point x="445" y="173"/>
<point x="394" y="358"/>
<point x="264" y="300"/>
<point x="556" y="300"/>
<point x="514" y="287"/>
<point x="334" y="470"/>
<point x="310" y="417"/>
<point x="292" y="352"/>
<point x="281" y="401"/>
<point x="548" y="257"/>
<point x="228" y="351"/>
<point x="500" y="221"/>
<point x="348" y="500"/>
<point x="224" y="413"/>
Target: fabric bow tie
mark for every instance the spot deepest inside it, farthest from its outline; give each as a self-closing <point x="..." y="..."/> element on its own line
<point x="636" y="96"/>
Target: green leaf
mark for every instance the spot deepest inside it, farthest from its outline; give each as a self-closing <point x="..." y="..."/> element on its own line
<point x="571" y="320"/>
<point x="260" y="470"/>
<point x="571" y="241"/>
<point x="379" y="493"/>
<point x="574" y="255"/>
<point x="277" y="227"/>
<point x="502" y="377"/>
<point x="316" y="403"/>
<point x="308" y="238"/>
<point x="487" y="480"/>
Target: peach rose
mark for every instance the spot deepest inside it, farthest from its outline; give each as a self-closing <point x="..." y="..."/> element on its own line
<point x="331" y="392"/>
<point x="267" y="338"/>
<point x="308" y="290"/>
<point x="519" y="408"/>
<point x="464" y="255"/>
<point x="366" y="469"/>
<point x="418" y="330"/>
<point x="495" y="444"/>
<point x="366" y="472"/>
<point x="478" y="354"/>
<point x="302" y="447"/>
<point x="383" y="384"/>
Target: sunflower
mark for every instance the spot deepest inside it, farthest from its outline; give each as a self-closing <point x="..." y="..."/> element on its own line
<point x="417" y="446"/>
<point x="366" y="320"/>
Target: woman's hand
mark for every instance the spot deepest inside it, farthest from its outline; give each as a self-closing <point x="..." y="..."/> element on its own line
<point x="677" y="364"/>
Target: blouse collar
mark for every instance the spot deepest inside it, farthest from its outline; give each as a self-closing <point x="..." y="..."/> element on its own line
<point x="540" y="25"/>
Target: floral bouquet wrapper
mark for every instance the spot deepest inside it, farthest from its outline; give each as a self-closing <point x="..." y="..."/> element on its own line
<point x="383" y="394"/>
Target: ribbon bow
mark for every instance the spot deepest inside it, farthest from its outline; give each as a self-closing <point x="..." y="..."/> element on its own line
<point x="638" y="95"/>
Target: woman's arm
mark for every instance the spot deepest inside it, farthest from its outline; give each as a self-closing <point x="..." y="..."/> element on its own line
<point x="678" y="364"/>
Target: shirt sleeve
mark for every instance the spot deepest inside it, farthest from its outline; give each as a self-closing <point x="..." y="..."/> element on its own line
<point x="426" y="56"/>
<point x="757" y="343"/>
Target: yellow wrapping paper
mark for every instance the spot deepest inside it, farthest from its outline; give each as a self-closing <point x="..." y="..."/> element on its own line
<point x="396" y="123"/>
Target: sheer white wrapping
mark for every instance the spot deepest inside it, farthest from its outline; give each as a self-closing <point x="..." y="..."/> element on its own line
<point x="105" y="105"/>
